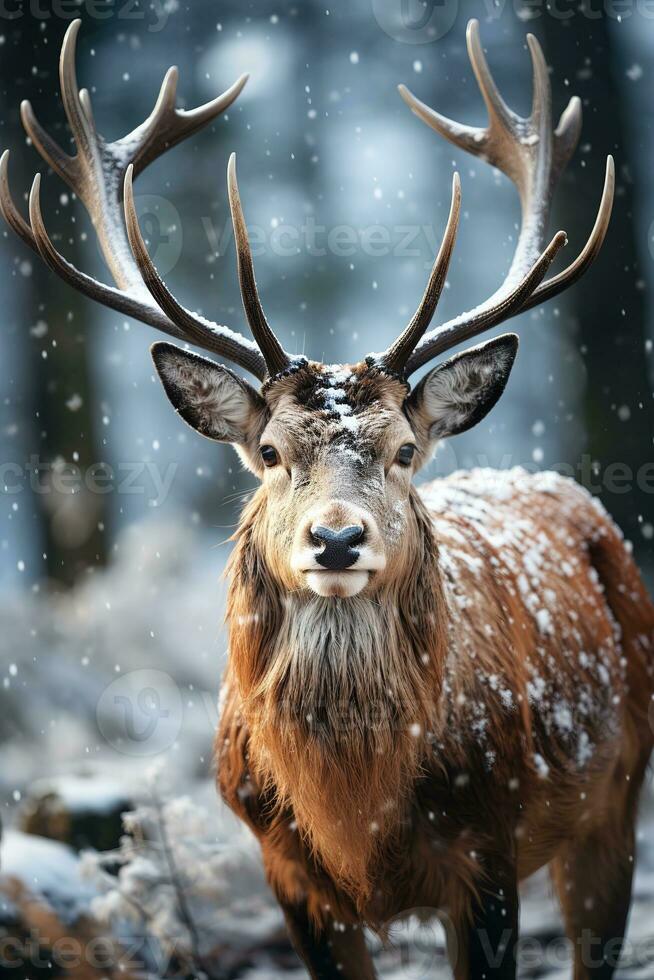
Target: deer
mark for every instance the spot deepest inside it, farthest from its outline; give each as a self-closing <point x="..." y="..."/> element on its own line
<point x="431" y="692"/>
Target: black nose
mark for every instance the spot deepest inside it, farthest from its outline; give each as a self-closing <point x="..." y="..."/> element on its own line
<point x="338" y="552"/>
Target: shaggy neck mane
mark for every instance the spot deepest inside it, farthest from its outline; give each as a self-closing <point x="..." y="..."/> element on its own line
<point x="339" y="696"/>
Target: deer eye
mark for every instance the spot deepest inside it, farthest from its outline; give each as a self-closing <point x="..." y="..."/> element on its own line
<point x="405" y="454"/>
<point x="269" y="456"/>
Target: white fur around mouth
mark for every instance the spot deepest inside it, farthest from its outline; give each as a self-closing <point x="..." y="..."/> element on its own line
<point x="305" y="561"/>
<point x="341" y="584"/>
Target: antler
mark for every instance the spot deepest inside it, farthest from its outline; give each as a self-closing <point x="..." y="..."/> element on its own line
<point x="533" y="157"/>
<point x="276" y="359"/>
<point x="96" y="174"/>
<point x="397" y="355"/>
<point x="101" y="173"/>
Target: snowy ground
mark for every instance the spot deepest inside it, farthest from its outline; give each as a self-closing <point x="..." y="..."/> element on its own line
<point x="118" y="681"/>
<point x="246" y="927"/>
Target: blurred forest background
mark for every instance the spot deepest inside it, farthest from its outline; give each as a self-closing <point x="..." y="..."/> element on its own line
<point x="99" y="587"/>
<point x="323" y="140"/>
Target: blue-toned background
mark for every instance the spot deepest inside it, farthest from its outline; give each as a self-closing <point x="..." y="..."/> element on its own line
<point x="105" y="595"/>
<point x="323" y="140"/>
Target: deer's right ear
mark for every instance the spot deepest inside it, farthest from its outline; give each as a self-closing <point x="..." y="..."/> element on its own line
<point x="461" y="391"/>
<point x="209" y="397"/>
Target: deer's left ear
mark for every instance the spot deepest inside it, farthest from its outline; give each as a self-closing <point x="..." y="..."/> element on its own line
<point x="209" y="397"/>
<point x="460" y="392"/>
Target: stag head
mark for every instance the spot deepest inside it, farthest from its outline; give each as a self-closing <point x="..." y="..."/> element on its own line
<point x="334" y="446"/>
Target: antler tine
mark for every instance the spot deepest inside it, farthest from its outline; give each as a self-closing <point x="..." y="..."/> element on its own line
<point x="468" y="138"/>
<point x="486" y="315"/>
<point x="8" y="209"/>
<point x="568" y="131"/>
<point x="589" y="252"/>
<point x="107" y="295"/>
<point x="66" y="166"/>
<point x="398" y="354"/>
<point x="541" y="102"/>
<point x="81" y="126"/>
<point x="166" y="125"/>
<point x="276" y="358"/>
<point x="533" y="156"/>
<point x="495" y="104"/>
<point x="96" y="174"/>
<point x="194" y="329"/>
<point x="61" y="162"/>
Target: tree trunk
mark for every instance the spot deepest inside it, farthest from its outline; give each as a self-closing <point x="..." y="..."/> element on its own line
<point x="58" y="405"/>
<point x="608" y="303"/>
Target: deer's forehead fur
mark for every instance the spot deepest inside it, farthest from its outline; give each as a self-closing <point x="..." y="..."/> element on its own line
<point x="327" y="403"/>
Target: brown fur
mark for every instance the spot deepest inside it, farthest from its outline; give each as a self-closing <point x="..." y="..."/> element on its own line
<point x="313" y="724"/>
<point x="485" y="703"/>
